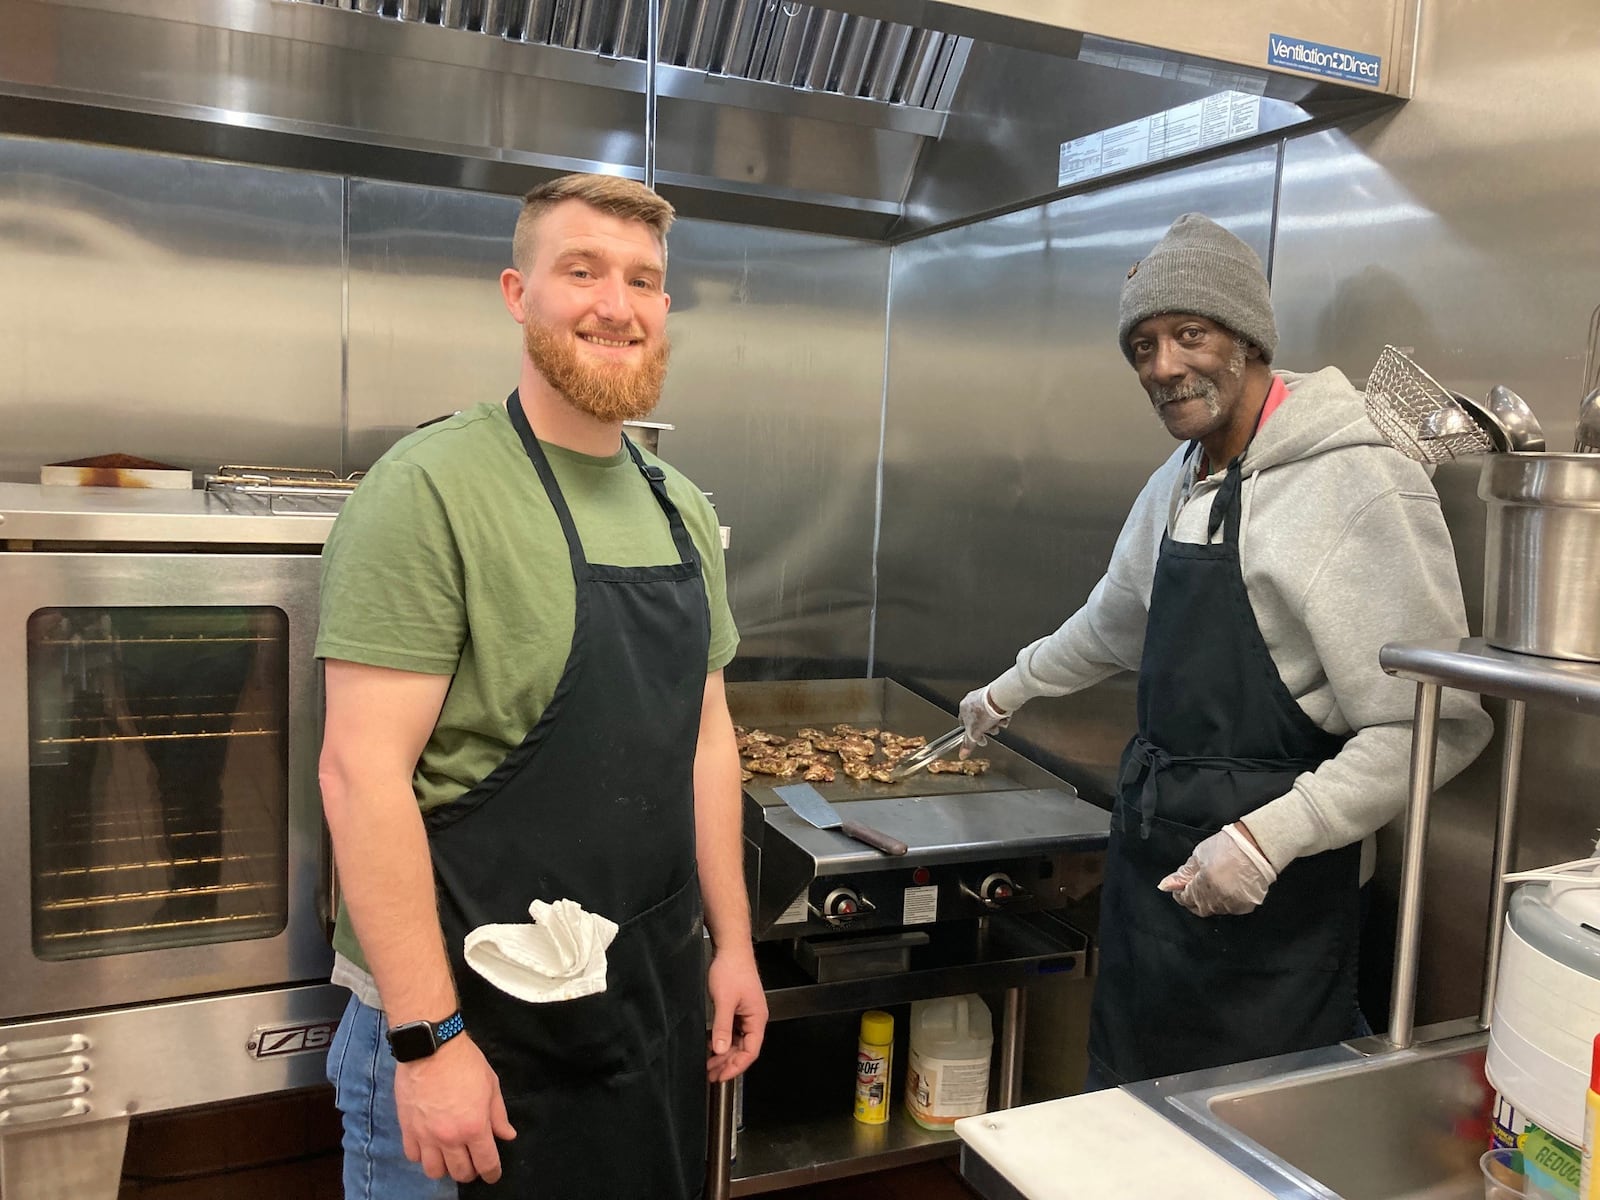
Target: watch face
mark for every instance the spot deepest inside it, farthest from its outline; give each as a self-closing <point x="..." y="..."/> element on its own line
<point x="411" y="1041"/>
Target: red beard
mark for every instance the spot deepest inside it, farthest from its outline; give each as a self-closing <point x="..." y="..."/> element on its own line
<point x="608" y="392"/>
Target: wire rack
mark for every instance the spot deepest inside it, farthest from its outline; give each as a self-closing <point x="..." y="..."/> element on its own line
<point x="1417" y="415"/>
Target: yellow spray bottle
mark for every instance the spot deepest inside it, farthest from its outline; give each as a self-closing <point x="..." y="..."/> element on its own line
<point x="1589" y="1182"/>
<point x="874" y="1062"/>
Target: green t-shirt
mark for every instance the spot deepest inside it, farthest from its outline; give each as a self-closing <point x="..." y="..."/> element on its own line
<point x="449" y="560"/>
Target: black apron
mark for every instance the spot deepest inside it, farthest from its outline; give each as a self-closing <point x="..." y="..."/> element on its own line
<point x="1219" y="736"/>
<point x="607" y="1092"/>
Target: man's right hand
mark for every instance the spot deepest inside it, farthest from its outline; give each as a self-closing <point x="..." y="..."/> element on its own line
<point x="451" y="1111"/>
<point x="980" y="718"/>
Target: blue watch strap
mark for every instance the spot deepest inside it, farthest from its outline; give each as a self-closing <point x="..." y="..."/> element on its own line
<point x="448" y="1028"/>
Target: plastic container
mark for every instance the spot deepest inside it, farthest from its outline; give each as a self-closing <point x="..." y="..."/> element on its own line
<point x="947" y="1070"/>
<point x="1502" y="1174"/>
<point x="874" y="1062"/>
<point x="1547" y="1003"/>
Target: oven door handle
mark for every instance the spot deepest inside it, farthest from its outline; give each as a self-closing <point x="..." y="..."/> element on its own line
<point x="330" y="889"/>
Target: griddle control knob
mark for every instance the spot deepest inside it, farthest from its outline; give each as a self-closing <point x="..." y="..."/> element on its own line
<point x="996" y="889"/>
<point x="841" y="904"/>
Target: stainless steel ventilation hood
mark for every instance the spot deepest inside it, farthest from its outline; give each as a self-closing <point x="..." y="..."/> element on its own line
<point x="873" y="118"/>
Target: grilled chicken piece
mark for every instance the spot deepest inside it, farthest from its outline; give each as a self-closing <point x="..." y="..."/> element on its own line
<point x="893" y="754"/>
<point x="739" y="731"/>
<point x="796" y="748"/>
<point x="745" y="776"/>
<point x="810" y="734"/>
<point x="904" y="741"/>
<point x="818" y="773"/>
<point x="756" y="740"/>
<point x="855" y="768"/>
<point x="846" y="730"/>
<point x="870" y="734"/>
<point x="951" y="766"/>
<point x="857" y="747"/>
<point x="881" y="774"/>
<point x="830" y="744"/>
<point x="783" y="768"/>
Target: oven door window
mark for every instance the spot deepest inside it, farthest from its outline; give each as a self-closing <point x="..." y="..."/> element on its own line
<point x="158" y="782"/>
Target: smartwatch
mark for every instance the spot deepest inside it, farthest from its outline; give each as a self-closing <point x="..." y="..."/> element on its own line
<point x="419" y="1039"/>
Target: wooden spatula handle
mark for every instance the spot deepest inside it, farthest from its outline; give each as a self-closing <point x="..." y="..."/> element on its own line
<point x="873" y="837"/>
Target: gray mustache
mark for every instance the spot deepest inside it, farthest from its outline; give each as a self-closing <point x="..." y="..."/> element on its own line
<point x="1200" y="389"/>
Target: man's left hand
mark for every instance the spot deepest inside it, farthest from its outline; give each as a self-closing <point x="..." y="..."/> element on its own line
<point x="738" y="1014"/>
<point x="1226" y="875"/>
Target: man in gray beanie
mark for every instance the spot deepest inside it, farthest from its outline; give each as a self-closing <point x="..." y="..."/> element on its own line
<point x="1262" y="567"/>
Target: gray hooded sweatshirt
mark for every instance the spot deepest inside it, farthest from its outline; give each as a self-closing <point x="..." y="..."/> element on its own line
<point x="1343" y="547"/>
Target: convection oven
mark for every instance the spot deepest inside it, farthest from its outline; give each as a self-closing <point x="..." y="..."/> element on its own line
<point x="163" y="911"/>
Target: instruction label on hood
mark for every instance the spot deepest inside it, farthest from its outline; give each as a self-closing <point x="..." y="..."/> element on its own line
<point x="1198" y="125"/>
<point x="1316" y="59"/>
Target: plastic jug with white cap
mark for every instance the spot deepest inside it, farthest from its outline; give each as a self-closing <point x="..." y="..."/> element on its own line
<point x="947" y="1069"/>
<point x="1547" y="997"/>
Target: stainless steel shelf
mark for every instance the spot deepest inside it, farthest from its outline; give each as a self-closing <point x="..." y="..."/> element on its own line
<point x="1472" y="665"/>
<point x="1014" y="950"/>
<point x="809" y="1152"/>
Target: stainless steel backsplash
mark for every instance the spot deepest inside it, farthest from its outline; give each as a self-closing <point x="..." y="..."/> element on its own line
<point x="201" y="313"/>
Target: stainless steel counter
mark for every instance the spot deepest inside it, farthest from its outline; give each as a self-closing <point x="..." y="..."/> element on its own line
<point x="35" y="513"/>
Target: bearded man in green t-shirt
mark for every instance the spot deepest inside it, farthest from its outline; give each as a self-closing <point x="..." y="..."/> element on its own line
<point x="524" y="622"/>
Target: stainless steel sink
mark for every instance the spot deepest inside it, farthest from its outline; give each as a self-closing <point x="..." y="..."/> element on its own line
<point x="1341" y="1123"/>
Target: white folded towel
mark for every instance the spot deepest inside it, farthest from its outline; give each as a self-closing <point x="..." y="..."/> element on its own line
<point x="561" y="956"/>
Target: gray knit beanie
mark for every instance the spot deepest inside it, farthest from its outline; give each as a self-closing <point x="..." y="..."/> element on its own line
<point x="1200" y="268"/>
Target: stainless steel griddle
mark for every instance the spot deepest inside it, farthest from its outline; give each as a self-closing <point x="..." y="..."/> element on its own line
<point x="1016" y="838"/>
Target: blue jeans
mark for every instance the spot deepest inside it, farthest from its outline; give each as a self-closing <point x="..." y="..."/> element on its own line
<point x="361" y="1070"/>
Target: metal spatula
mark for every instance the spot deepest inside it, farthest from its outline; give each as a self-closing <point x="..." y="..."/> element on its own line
<point x="936" y="749"/>
<point x="807" y="803"/>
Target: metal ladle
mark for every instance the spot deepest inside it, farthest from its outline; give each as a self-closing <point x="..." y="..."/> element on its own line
<point x="1507" y="419"/>
<point x="1516" y="418"/>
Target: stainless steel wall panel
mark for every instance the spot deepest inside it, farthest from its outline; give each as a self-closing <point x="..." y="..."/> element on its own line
<point x="428" y="332"/>
<point x="1462" y="226"/>
<point x="181" y="310"/>
<point x="776" y="389"/>
<point x="1017" y="438"/>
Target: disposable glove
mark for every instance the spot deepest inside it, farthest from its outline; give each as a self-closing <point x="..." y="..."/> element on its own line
<point x="980" y="718"/>
<point x="1226" y="874"/>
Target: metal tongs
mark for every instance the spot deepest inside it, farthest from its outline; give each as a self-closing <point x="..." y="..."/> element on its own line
<point x="936" y="749"/>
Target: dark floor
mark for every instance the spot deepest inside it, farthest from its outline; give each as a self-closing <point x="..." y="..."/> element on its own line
<point x="287" y="1148"/>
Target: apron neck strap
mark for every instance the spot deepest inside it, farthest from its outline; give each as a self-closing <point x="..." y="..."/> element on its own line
<point x="657" y="479"/>
<point x="547" y="476"/>
<point x="654" y="476"/>
<point x="1225" y="509"/>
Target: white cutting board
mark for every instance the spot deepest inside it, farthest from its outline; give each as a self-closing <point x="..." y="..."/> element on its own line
<point x="1101" y="1146"/>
